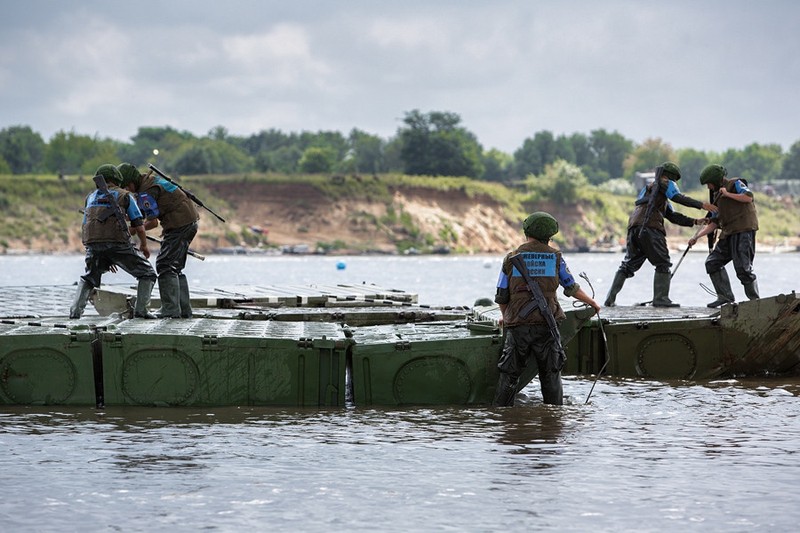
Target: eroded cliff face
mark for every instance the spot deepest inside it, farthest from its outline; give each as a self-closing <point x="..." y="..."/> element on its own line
<point x="292" y="214"/>
<point x="380" y="218"/>
<point x="268" y="214"/>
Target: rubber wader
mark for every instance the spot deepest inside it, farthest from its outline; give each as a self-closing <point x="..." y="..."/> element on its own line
<point x="143" y="295"/>
<point x="751" y="290"/>
<point x="616" y="286"/>
<point x="169" y="290"/>
<point x="722" y="286"/>
<point x="661" y="282"/>
<point x="185" y="302"/>
<point x="506" y="391"/>
<point x="81" y="297"/>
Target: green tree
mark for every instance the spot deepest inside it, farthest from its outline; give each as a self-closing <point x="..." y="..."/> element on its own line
<point x="647" y="156"/>
<point x="264" y="141"/>
<point x="366" y="151"/>
<point x="72" y="153"/>
<point x="582" y="149"/>
<point x="534" y="154"/>
<point x="497" y="165"/>
<point x="218" y="133"/>
<point x="757" y="163"/>
<point x="209" y="156"/>
<point x="434" y="144"/>
<point x="271" y="150"/>
<point x="22" y="148"/>
<point x="285" y="159"/>
<point x="333" y="140"/>
<point x="393" y="155"/>
<point x="166" y="140"/>
<point x="692" y="162"/>
<point x="790" y="169"/>
<point x="543" y="149"/>
<point x="317" y="159"/>
<point x="560" y="182"/>
<point x="610" y="151"/>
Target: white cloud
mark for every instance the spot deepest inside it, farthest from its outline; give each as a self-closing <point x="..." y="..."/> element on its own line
<point x="710" y="75"/>
<point x="281" y="57"/>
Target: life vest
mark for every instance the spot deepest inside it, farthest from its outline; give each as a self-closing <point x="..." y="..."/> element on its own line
<point x="100" y="224"/>
<point x="735" y="217"/>
<point x="544" y="264"/>
<point x="656" y="218"/>
<point x="163" y="200"/>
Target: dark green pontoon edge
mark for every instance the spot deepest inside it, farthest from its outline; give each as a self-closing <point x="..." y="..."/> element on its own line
<point x="352" y="345"/>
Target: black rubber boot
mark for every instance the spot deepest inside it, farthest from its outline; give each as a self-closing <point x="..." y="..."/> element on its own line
<point x="169" y="291"/>
<point x="722" y="286"/>
<point x="185" y="302"/>
<point x="506" y="391"/>
<point x="751" y="290"/>
<point x="81" y="297"/>
<point x="616" y="286"/>
<point x="143" y="294"/>
<point x="661" y="282"/>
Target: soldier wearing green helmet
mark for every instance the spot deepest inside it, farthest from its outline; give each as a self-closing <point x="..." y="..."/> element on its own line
<point x="738" y="221"/>
<point x="528" y="336"/>
<point x="647" y="236"/>
<point x="164" y="202"/>
<point x="108" y="245"/>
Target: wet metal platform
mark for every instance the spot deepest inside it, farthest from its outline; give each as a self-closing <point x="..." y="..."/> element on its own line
<point x="41" y="301"/>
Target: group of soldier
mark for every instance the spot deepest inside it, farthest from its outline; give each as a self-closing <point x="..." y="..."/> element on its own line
<point x="533" y="271"/>
<point x="128" y="202"/>
<point x="126" y="196"/>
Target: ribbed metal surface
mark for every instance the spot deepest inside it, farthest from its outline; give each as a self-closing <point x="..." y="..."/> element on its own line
<point x="48" y="325"/>
<point x="36" y="301"/>
<point x="40" y="301"/>
<point x="205" y="327"/>
<point x="388" y="334"/>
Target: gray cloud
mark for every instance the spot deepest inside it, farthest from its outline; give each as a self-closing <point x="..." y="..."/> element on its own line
<point x="708" y="75"/>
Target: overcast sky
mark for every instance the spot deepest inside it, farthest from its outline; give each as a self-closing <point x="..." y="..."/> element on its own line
<point x="709" y="75"/>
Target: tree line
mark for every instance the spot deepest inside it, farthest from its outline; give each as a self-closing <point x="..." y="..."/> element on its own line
<point x="431" y="144"/>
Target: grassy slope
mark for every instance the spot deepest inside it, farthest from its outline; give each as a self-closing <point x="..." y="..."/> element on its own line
<point x="40" y="212"/>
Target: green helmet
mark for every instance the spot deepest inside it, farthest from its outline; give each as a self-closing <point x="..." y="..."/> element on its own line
<point x="110" y="173"/>
<point x="713" y="174"/>
<point x="130" y="174"/>
<point x="672" y="170"/>
<point x="540" y="226"/>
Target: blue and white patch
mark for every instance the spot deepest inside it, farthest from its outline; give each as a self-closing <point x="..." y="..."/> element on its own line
<point x="539" y="264"/>
<point x="148" y="205"/>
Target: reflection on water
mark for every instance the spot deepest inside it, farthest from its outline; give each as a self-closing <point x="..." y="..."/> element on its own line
<point x="719" y="456"/>
<point x="531" y="430"/>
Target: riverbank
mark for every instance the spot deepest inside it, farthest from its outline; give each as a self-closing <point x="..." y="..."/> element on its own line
<point x="377" y="215"/>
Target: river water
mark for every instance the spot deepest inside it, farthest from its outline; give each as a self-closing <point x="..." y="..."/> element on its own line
<point x="640" y="456"/>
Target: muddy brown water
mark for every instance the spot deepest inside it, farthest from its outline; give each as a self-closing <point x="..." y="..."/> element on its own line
<point x="640" y="456"/>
